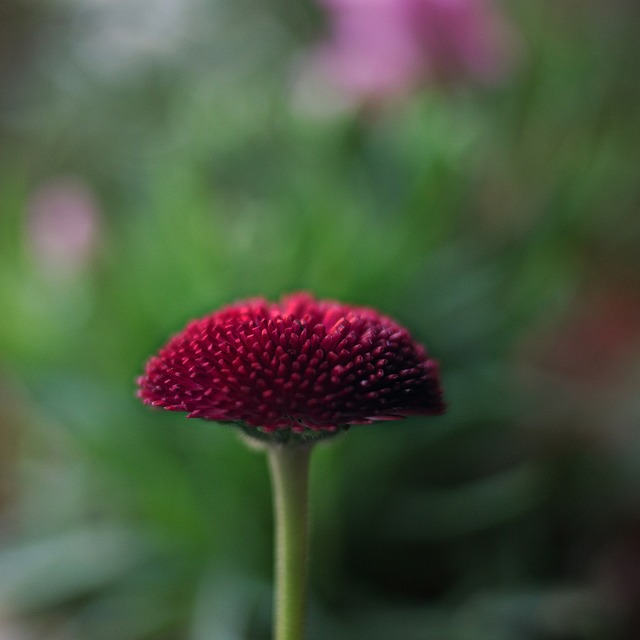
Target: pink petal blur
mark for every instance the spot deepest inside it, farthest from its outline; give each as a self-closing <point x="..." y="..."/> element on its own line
<point x="63" y="225"/>
<point x="382" y="47"/>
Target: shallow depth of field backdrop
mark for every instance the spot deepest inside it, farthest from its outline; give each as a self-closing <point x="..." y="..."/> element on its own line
<point x="160" y="158"/>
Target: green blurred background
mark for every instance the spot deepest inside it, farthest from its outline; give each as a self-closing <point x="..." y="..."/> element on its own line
<point x="499" y="223"/>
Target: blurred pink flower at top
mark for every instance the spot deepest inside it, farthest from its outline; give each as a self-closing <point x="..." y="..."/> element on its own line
<point x="63" y="225"/>
<point x="384" y="47"/>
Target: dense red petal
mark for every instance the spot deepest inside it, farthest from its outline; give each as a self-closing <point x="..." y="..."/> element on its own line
<point x="298" y="364"/>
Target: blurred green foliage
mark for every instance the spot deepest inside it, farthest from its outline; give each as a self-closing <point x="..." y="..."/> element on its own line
<point x="500" y="224"/>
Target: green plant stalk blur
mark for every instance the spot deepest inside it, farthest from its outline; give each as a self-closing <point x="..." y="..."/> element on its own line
<point x="289" y="467"/>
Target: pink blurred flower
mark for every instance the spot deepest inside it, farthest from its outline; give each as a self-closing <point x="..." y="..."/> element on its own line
<point x="378" y="48"/>
<point x="63" y="225"/>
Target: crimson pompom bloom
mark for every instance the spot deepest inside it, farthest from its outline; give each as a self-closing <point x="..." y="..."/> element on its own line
<point x="301" y="364"/>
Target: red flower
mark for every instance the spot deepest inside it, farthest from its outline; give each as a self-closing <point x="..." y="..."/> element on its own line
<point x="300" y="364"/>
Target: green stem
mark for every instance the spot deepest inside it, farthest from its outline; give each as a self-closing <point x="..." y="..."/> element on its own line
<point x="289" y="465"/>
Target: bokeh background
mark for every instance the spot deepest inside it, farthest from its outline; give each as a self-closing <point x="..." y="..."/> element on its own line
<point x="472" y="172"/>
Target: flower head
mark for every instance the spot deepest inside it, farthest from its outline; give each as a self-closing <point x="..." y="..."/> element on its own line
<point x="300" y="364"/>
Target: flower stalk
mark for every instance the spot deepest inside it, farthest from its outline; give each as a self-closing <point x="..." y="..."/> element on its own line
<point x="289" y="468"/>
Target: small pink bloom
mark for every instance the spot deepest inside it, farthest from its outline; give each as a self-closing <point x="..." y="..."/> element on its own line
<point x="63" y="225"/>
<point x="378" y="48"/>
<point x="294" y="365"/>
